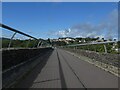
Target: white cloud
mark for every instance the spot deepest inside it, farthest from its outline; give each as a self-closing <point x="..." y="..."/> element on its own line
<point x="108" y="28"/>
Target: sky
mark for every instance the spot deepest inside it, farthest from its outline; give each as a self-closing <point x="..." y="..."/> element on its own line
<point x="62" y="19"/>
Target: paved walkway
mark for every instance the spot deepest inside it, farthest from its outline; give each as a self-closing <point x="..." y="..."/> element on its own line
<point x="62" y="70"/>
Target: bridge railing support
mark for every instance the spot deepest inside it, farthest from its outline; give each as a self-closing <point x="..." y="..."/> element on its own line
<point x="105" y="49"/>
<point x="38" y="44"/>
<point x="11" y="40"/>
<point x="19" y="32"/>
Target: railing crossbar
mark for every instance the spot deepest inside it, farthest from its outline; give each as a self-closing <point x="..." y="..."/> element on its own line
<point x="14" y="30"/>
<point x="93" y="43"/>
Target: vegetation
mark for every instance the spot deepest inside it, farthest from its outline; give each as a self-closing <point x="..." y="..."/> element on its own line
<point x="98" y="48"/>
<point x="17" y="43"/>
<point x="111" y="48"/>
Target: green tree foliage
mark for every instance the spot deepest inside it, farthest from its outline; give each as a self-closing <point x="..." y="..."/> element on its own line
<point x="98" y="48"/>
<point x="17" y="43"/>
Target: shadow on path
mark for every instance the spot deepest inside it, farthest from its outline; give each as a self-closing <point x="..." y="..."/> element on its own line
<point x="28" y="79"/>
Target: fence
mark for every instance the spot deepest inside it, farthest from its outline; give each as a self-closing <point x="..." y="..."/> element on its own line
<point x="8" y="43"/>
<point x="20" y="57"/>
<point x="17" y="63"/>
<point x="91" y="46"/>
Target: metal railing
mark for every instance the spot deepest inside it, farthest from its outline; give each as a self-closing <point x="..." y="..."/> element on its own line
<point x="93" y="43"/>
<point x="106" y="60"/>
<point x="17" y="31"/>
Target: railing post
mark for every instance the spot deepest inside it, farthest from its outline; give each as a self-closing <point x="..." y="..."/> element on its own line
<point x="11" y="40"/>
<point x="105" y="48"/>
<point x="15" y="31"/>
<point x="41" y="44"/>
<point x="38" y="44"/>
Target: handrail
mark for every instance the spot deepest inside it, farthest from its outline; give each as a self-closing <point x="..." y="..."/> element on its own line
<point x="93" y="43"/>
<point x="14" y="30"/>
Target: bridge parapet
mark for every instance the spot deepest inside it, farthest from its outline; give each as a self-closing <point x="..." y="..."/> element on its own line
<point x="17" y="62"/>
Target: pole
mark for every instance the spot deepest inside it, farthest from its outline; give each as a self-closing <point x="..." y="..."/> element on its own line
<point x="11" y="40"/>
<point x="105" y="48"/>
<point x="38" y="44"/>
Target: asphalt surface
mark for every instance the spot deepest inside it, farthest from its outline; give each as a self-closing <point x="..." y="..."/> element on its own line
<point x="62" y="70"/>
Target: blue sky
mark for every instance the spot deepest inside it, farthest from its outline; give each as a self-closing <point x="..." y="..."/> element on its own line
<point x="53" y="20"/>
